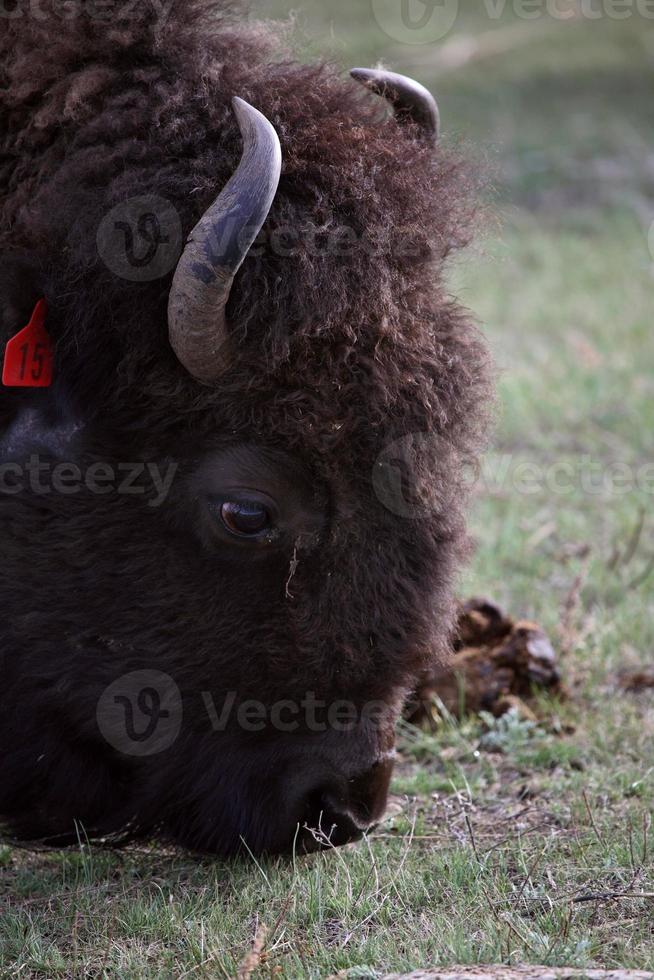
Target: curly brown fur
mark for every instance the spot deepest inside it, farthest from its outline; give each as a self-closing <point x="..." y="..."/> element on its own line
<point x="340" y="352"/>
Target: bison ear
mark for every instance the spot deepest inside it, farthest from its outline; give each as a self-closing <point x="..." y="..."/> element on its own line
<point x="21" y="287"/>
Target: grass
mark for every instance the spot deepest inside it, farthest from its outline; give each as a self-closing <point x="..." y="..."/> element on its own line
<point x="507" y="842"/>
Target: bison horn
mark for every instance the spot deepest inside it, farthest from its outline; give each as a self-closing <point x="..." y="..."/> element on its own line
<point x="409" y="98"/>
<point x="216" y="248"/>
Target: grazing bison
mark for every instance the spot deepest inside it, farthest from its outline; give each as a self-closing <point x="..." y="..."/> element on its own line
<point x="232" y="448"/>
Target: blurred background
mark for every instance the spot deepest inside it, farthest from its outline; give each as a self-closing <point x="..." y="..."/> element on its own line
<point x="555" y="99"/>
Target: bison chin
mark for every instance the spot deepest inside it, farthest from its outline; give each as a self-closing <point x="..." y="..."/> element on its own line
<point x="223" y="794"/>
<point x="278" y="799"/>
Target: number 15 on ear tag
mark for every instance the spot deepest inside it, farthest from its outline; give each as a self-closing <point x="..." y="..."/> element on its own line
<point x="29" y="355"/>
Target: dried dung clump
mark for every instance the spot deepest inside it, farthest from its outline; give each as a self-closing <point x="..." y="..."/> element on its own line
<point x="497" y="664"/>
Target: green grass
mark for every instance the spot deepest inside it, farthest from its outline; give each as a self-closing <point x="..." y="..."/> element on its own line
<point x="496" y="831"/>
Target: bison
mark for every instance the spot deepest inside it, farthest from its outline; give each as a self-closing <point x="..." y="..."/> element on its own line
<point x="239" y="405"/>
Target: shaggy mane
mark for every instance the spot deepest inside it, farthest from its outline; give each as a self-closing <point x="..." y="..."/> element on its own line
<point x="341" y="350"/>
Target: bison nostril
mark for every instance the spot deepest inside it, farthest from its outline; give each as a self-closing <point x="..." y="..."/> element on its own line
<point x="330" y="823"/>
<point x="343" y="809"/>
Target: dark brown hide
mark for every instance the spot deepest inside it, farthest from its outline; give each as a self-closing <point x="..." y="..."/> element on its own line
<point x="347" y="340"/>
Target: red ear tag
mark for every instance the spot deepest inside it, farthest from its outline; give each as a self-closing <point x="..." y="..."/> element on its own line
<point x="29" y="355"/>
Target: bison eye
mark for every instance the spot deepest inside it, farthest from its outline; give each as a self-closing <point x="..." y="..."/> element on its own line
<point x="246" y="519"/>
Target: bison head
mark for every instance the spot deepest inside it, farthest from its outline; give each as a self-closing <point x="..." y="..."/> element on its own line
<point x="227" y="559"/>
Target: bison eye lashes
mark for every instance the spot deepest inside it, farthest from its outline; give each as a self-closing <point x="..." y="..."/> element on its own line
<point x="246" y="519"/>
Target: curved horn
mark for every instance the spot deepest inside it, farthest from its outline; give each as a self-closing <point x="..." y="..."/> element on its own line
<point x="216" y="248"/>
<point x="405" y="95"/>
